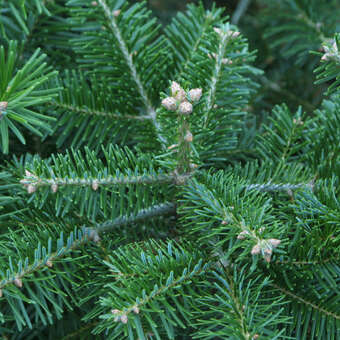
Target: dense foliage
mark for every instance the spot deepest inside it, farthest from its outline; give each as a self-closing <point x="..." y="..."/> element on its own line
<point x="169" y="181"/>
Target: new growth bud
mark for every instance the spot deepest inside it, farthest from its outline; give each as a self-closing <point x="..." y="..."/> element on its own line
<point x="188" y="137"/>
<point x="195" y="94"/>
<point x="135" y="309"/>
<point x="28" y="174"/>
<point x="170" y="103"/>
<point x="242" y="235"/>
<point x="95" y="185"/>
<point x="274" y="242"/>
<point x="31" y="188"/>
<point x="124" y="319"/>
<point x="54" y="188"/>
<point x="177" y="92"/>
<point x="229" y="33"/>
<point x="18" y="282"/>
<point x="185" y="108"/>
<point x="3" y="105"/>
<point x="218" y="30"/>
<point x="94" y="236"/>
<point x="256" y="250"/>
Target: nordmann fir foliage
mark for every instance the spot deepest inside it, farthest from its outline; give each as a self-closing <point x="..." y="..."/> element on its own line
<point x="166" y="211"/>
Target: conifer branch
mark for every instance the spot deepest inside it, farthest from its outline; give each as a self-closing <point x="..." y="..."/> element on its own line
<point x="151" y="212"/>
<point x="33" y="182"/>
<point x="91" y="112"/>
<point x="160" y="290"/>
<point x="239" y="315"/>
<point x="206" y="25"/>
<point x="306" y="302"/>
<point x="269" y="186"/>
<point x="310" y="23"/>
<point x="78" y="238"/>
<point x="129" y="60"/>
<point x="307" y="263"/>
<point x="210" y="101"/>
<point x="74" y="241"/>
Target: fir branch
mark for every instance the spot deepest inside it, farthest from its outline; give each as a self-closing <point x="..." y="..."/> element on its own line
<point x="239" y="310"/>
<point x="198" y="270"/>
<point x="269" y="186"/>
<point x="129" y="60"/>
<point x="92" y="112"/>
<point x="32" y="181"/>
<point x="76" y="239"/>
<point x="224" y="38"/>
<point x="310" y="23"/>
<point x="306" y="302"/>
<point x="151" y="212"/>
<point x="307" y="263"/>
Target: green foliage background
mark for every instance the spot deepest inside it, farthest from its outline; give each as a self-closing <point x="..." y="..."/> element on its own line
<point x="121" y="219"/>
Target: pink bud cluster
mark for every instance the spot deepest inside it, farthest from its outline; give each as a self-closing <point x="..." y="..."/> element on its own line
<point x="331" y="52"/>
<point x="224" y="60"/>
<point x="122" y="316"/>
<point x="266" y="248"/>
<point x="229" y="33"/>
<point x="178" y="100"/>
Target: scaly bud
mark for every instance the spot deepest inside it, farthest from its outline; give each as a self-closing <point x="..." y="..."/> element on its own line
<point x="170" y="103"/>
<point x="116" y="12"/>
<point x="31" y="188"/>
<point x="218" y="30"/>
<point x="54" y="188"/>
<point x="124" y="319"/>
<point x="325" y="57"/>
<point x="18" y="282"/>
<point x="177" y="92"/>
<point x="94" y="236"/>
<point x="242" y="235"/>
<point x="3" y="105"/>
<point x="95" y="185"/>
<point x="188" y="137"/>
<point x="274" y="242"/>
<point x="195" y="94"/>
<point x="267" y="257"/>
<point x="28" y="174"/>
<point x="234" y="34"/>
<point x="115" y="311"/>
<point x="49" y="264"/>
<point x="185" y="108"/>
<point x="229" y="33"/>
<point x="135" y="309"/>
<point x="1" y="293"/>
<point x="256" y="250"/>
<point x="227" y="61"/>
